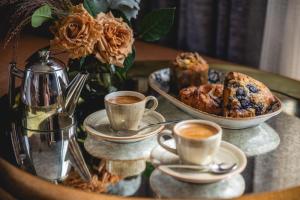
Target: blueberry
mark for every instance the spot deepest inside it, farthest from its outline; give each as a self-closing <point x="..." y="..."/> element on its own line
<point x="240" y="92"/>
<point x="258" y="109"/>
<point x="252" y="88"/>
<point x="245" y="103"/>
<point x="240" y="97"/>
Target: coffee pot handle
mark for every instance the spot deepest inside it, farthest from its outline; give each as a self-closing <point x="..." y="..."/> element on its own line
<point x="13" y="73"/>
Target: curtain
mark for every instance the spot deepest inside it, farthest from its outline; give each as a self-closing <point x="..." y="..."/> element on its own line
<point x="226" y="29"/>
<point x="281" y="43"/>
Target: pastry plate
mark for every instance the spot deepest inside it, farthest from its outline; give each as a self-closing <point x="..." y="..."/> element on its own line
<point x="160" y="81"/>
<point x="227" y="153"/>
<point x="97" y="125"/>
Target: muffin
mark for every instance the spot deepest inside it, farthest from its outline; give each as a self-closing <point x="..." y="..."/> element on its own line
<point x="189" y="69"/>
<point x="245" y="97"/>
<point x="207" y="98"/>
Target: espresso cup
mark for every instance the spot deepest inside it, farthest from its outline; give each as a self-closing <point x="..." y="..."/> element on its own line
<point x="127" y="115"/>
<point x="193" y="150"/>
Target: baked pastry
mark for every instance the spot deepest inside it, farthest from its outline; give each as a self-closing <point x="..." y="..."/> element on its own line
<point x="189" y="69"/>
<point x="207" y="98"/>
<point x="245" y="97"/>
<point x="187" y="95"/>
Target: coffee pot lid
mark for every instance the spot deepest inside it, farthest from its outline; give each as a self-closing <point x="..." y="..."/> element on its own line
<point x="42" y="62"/>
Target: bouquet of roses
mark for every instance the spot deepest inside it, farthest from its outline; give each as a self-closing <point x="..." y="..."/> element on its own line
<point x="96" y="34"/>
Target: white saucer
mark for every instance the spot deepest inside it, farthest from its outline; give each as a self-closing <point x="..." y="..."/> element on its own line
<point x="228" y="153"/>
<point x="167" y="187"/>
<point x="106" y="133"/>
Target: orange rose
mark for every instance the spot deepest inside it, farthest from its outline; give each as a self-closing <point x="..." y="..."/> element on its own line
<point x="77" y="33"/>
<point x="115" y="41"/>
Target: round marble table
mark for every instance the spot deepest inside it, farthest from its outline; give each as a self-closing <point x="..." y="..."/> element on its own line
<point x="272" y="170"/>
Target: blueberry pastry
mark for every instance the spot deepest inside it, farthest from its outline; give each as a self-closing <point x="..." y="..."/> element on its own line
<point x="189" y="69"/>
<point x="245" y="97"/>
<point x="207" y="98"/>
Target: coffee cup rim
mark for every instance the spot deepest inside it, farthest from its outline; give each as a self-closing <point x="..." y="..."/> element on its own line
<point x="206" y="122"/>
<point x="124" y="93"/>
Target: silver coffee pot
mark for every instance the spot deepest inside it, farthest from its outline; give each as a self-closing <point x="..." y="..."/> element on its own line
<point x="47" y="142"/>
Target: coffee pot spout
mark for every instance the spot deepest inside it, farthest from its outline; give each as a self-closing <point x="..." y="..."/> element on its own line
<point x="73" y="92"/>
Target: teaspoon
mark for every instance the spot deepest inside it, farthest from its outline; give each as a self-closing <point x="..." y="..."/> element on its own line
<point x="127" y="133"/>
<point x="214" y="168"/>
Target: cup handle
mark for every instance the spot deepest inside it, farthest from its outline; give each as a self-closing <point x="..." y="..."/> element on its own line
<point x="161" y="141"/>
<point x="155" y="103"/>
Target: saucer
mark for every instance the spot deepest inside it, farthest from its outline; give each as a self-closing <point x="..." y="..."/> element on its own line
<point x="167" y="187"/>
<point x="97" y="125"/>
<point x="227" y="153"/>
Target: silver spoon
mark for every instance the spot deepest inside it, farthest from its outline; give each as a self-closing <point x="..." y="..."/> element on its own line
<point x="214" y="168"/>
<point x="127" y="133"/>
<point x="106" y="128"/>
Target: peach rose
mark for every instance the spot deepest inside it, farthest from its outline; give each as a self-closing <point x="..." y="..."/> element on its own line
<point x="115" y="41"/>
<point x="77" y="33"/>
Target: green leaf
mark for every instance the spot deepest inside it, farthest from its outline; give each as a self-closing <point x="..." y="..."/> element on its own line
<point x="94" y="7"/>
<point x="40" y="16"/>
<point x="128" y="62"/>
<point x="149" y="169"/>
<point x="156" y="24"/>
<point x="81" y="62"/>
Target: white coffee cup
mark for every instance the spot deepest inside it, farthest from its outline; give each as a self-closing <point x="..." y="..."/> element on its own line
<point x="127" y="116"/>
<point x="198" y="151"/>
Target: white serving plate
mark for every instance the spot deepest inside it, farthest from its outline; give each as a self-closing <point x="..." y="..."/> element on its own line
<point x="160" y="82"/>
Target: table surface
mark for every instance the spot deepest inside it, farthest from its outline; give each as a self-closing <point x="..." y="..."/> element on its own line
<point x="276" y="170"/>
